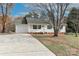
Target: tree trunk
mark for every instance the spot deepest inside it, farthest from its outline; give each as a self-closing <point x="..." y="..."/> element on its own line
<point x="76" y="30"/>
<point x="76" y="34"/>
<point x="55" y="32"/>
<point x="3" y="24"/>
<point x="3" y="30"/>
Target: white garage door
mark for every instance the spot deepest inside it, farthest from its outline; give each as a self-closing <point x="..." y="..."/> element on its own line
<point x="21" y="28"/>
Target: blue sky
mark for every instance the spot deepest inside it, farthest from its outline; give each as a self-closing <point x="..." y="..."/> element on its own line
<point x="20" y="9"/>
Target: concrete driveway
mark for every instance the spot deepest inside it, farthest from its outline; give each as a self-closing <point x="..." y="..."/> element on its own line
<point x="22" y="44"/>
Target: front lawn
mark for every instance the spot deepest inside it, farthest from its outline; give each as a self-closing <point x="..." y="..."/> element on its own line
<point x="64" y="45"/>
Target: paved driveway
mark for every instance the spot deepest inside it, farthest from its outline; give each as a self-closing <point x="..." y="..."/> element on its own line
<point x="22" y="44"/>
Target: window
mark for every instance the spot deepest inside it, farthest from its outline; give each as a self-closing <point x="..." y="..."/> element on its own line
<point x="39" y="26"/>
<point x="49" y="26"/>
<point x="34" y="26"/>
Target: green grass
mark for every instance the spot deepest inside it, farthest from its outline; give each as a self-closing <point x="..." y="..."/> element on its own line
<point x="72" y="40"/>
<point x="65" y="45"/>
<point x="58" y="49"/>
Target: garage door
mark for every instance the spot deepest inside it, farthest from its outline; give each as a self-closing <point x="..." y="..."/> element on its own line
<point x="21" y="28"/>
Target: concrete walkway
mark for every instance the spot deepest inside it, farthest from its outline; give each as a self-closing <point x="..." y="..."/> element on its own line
<point x="22" y="44"/>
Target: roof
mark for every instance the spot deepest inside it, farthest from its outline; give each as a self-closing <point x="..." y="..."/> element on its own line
<point x="37" y="20"/>
<point x="18" y="20"/>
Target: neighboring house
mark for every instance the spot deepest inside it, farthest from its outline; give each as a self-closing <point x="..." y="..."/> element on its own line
<point x="35" y="25"/>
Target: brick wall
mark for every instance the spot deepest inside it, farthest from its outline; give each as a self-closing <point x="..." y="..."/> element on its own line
<point x="44" y="33"/>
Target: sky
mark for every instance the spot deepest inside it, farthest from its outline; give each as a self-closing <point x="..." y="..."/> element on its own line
<point x="20" y="9"/>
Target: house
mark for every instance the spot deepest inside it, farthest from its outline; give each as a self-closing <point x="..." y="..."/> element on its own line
<point x="35" y="25"/>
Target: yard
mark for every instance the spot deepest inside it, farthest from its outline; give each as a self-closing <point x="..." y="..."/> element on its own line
<point x="64" y="45"/>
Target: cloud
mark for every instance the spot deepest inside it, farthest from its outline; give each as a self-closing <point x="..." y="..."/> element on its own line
<point x="23" y="13"/>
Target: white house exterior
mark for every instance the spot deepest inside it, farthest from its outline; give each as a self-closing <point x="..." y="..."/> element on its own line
<point x="35" y="26"/>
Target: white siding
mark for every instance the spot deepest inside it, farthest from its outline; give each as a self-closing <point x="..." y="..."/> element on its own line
<point x="36" y="30"/>
<point x="43" y="29"/>
<point x="20" y="28"/>
<point x="63" y="29"/>
<point x="29" y="28"/>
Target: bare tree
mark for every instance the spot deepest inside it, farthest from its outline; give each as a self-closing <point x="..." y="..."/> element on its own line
<point x="55" y="12"/>
<point x="5" y="12"/>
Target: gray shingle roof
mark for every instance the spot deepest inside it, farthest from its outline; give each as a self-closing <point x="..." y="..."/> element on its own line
<point x="32" y="20"/>
<point x="37" y="20"/>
